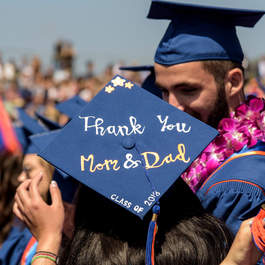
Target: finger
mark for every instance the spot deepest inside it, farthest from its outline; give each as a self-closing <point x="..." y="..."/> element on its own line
<point x="24" y="185"/>
<point x="56" y="195"/>
<point x="23" y="210"/>
<point x="33" y="188"/>
<point x="23" y="193"/>
<point x="17" y="212"/>
<point x="21" y="214"/>
<point x="250" y="222"/>
<point x="19" y="203"/>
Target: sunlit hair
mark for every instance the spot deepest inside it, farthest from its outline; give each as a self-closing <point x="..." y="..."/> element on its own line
<point x="10" y="168"/>
<point x="105" y="233"/>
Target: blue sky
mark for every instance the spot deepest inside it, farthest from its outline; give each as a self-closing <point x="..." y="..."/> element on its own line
<point x="102" y="30"/>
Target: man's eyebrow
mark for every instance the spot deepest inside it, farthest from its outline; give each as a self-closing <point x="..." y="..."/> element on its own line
<point x="187" y="84"/>
<point x="183" y="84"/>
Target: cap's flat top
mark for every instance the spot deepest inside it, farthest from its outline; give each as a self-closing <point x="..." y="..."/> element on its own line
<point x="71" y="106"/>
<point x="128" y="145"/>
<point x="161" y="9"/>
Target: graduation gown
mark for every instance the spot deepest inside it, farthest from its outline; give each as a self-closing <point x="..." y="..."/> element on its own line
<point x="235" y="191"/>
<point x="12" y="249"/>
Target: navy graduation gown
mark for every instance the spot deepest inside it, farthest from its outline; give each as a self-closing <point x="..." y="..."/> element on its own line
<point x="235" y="191"/>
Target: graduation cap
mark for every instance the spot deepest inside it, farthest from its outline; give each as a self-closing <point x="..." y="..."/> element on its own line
<point x="198" y="33"/>
<point x="149" y="82"/>
<point x="71" y="106"/>
<point x="124" y="141"/>
<point x="26" y="127"/>
<point x="66" y="183"/>
<point x="129" y="146"/>
<point x="49" y="124"/>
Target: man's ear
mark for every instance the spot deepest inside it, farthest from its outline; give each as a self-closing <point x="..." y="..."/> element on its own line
<point x="234" y="82"/>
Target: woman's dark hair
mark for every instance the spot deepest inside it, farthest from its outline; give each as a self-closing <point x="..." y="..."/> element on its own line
<point x="10" y="168"/>
<point x="107" y="234"/>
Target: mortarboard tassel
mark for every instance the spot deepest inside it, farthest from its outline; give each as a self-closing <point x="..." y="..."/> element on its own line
<point x="150" y="242"/>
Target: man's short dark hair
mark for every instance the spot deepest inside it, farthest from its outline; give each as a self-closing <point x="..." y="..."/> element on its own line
<point x="219" y="68"/>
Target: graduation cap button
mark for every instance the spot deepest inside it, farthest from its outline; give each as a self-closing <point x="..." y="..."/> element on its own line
<point x="128" y="143"/>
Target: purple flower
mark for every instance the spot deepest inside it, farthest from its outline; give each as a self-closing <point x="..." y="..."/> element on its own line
<point x="261" y="125"/>
<point x="245" y="126"/>
<point x="250" y="111"/>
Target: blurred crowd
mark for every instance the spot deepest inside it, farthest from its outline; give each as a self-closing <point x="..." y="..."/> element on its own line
<point x="28" y="85"/>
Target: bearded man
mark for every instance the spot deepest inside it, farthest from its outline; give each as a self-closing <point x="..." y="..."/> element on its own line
<point x="198" y="67"/>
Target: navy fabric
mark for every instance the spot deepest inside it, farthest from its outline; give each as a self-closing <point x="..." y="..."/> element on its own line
<point x="22" y="136"/>
<point x="138" y="68"/>
<point x="49" y="124"/>
<point x="197" y="32"/>
<point x="236" y="191"/>
<point x="41" y="140"/>
<point x="128" y="145"/>
<point x="14" y="246"/>
<point x="27" y="126"/>
<point x="67" y="184"/>
<point x="149" y="82"/>
<point x="72" y="106"/>
<point x="30" y="124"/>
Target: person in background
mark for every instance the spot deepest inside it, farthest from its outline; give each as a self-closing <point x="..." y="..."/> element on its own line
<point x="34" y="166"/>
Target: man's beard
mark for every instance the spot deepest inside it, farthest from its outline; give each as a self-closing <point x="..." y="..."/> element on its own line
<point x="220" y="110"/>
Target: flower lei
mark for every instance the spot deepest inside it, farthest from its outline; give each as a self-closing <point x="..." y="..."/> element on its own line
<point x="245" y="126"/>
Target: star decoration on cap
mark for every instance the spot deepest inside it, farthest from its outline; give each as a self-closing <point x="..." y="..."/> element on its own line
<point x="109" y="89"/>
<point x="118" y="81"/>
<point x="128" y="85"/>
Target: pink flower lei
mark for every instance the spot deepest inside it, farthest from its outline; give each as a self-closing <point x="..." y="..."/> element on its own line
<point x="245" y="126"/>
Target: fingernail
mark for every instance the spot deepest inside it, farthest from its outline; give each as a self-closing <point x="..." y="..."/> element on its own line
<point x="250" y="222"/>
<point x="54" y="184"/>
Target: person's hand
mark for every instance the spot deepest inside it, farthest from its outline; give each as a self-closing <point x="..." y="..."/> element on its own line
<point x="44" y="221"/>
<point x="243" y="251"/>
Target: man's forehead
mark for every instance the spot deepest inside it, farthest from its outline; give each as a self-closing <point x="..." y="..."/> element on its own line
<point x="183" y="67"/>
<point x="179" y="73"/>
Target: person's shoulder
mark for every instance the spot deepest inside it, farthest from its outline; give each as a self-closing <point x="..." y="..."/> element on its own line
<point x="13" y="247"/>
<point x="240" y="171"/>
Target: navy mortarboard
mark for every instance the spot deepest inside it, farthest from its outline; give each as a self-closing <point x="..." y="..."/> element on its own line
<point x="128" y="145"/>
<point x="71" y="106"/>
<point x="149" y="82"/>
<point x="66" y="184"/>
<point x="41" y="140"/>
<point x="29" y="123"/>
<point x="26" y="127"/>
<point x="199" y="33"/>
<point x="51" y="125"/>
